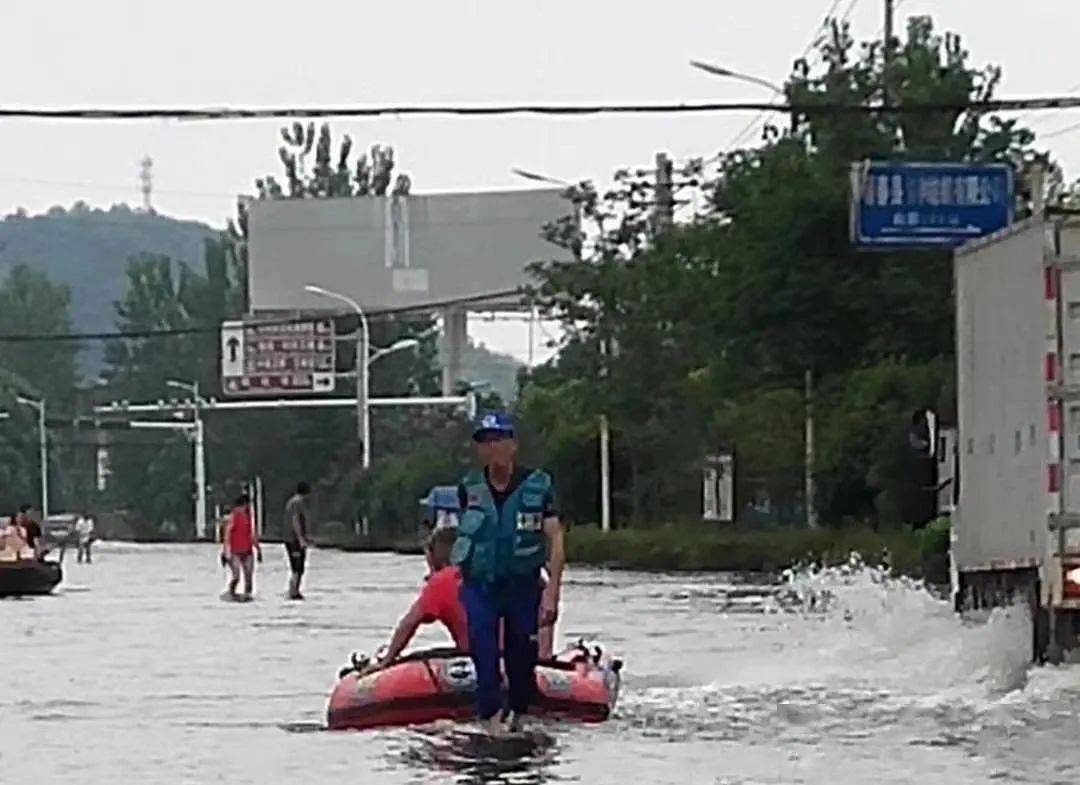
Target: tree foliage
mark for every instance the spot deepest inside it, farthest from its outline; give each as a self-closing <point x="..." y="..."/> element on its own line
<point x="152" y="472"/>
<point x="699" y="339"/>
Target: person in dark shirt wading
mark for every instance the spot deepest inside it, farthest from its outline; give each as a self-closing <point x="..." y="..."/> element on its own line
<point x="508" y="532"/>
<point x="296" y="537"/>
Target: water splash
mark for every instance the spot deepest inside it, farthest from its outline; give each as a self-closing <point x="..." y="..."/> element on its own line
<point x="843" y="653"/>
<point x="893" y="631"/>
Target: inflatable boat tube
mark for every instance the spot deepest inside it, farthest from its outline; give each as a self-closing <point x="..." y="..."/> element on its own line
<point x="28" y="577"/>
<point x="438" y="684"/>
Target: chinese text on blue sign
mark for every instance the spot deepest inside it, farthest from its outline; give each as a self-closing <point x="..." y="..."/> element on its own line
<point x="928" y="205"/>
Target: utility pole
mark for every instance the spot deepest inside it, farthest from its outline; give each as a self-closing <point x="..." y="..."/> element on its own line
<point x="43" y="450"/>
<point x="811" y="511"/>
<point x="195" y="428"/>
<point x="664" y="209"/>
<point x="146" y="182"/>
<point x="890" y="7"/>
<point x="200" y="475"/>
<point x="605" y="474"/>
<point x="198" y="434"/>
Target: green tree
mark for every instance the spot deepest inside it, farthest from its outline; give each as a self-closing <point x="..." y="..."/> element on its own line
<point x="30" y="304"/>
<point x="700" y="338"/>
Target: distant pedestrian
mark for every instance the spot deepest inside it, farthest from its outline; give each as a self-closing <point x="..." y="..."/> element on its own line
<point x="84" y="533"/>
<point x="296" y="537"/>
<point x="241" y="544"/>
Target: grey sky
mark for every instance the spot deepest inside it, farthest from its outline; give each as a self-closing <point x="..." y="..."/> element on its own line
<point x="141" y="53"/>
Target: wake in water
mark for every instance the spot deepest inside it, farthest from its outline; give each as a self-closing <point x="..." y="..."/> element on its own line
<point x="894" y="631"/>
<point x="845" y="653"/>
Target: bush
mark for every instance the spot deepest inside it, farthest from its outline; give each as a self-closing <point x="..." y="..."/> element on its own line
<point x="737" y="549"/>
<point x="934" y="537"/>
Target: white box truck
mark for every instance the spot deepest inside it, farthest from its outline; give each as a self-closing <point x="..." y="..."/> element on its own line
<point x="1016" y="524"/>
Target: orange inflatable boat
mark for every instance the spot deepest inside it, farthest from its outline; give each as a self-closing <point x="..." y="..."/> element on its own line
<point x="438" y="684"/>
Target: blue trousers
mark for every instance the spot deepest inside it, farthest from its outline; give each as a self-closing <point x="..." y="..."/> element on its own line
<point x="516" y="603"/>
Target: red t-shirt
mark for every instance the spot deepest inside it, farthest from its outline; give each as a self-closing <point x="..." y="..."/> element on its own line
<point x="440" y="600"/>
<point x="241" y="531"/>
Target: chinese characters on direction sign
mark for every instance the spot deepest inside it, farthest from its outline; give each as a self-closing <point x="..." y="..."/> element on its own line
<point x="929" y="204"/>
<point x="278" y="358"/>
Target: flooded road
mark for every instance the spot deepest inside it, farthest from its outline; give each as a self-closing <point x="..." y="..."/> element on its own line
<point x="136" y="672"/>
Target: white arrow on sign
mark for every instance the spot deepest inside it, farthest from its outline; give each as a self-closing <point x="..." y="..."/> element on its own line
<point x="232" y="348"/>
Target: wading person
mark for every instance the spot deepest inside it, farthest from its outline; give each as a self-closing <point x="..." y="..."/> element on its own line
<point x="84" y="538"/>
<point x="241" y="543"/>
<point x="296" y="537"/>
<point x="508" y="532"/>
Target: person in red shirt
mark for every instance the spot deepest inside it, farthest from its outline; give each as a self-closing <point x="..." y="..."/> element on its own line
<point x="241" y="545"/>
<point x="439" y="601"/>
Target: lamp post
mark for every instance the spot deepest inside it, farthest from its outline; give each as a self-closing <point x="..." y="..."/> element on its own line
<point x="43" y="447"/>
<point x="200" y="455"/>
<point x="364" y="358"/>
<point x="363" y="418"/>
<point x="727" y="73"/>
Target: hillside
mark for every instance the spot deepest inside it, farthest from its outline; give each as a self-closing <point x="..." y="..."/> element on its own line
<point x="88" y="250"/>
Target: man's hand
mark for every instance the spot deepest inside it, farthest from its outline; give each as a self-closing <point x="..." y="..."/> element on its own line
<point x="258" y="554"/>
<point x="367" y="670"/>
<point x="549" y="606"/>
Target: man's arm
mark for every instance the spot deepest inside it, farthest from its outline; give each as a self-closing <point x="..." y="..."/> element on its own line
<point x="549" y="605"/>
<point x="403" y="634"/>
<point x="298" y="527"/>
<point x="255" y="537"/>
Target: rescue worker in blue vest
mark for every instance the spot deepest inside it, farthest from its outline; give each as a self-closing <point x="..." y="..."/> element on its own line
<point x="508" y="531"/>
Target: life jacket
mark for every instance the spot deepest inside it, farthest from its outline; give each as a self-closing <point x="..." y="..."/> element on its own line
<point x="491" y="546"/>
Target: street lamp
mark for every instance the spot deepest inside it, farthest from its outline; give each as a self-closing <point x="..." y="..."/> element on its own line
<point x="43" y="446"/>
<point x="200" y="454"/>
<point x="727" y="73"/>
<point x="364" y="358"/>
<point x="396" y="346"/>
<point x="362" y="348"/>
<point x="540" y="178"/>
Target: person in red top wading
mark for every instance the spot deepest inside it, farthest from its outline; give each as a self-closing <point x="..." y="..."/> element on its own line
<point x="241" y="545"/>
<point x="438" y="601"/>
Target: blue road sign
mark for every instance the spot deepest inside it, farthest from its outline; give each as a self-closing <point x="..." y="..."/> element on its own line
<point x="925" y="205"/>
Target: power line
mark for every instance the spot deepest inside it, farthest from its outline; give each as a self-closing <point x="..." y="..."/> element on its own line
<point x="1060" y="131"/>
<point x="742" y="135"/>
<point x="116" y="187"/>
<point x="1071" y="91"/>
<point x="186" y="113"/>
<point x="384" y="313"/>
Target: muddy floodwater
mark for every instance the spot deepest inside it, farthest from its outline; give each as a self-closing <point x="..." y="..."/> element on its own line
<point x="135" y="671"/>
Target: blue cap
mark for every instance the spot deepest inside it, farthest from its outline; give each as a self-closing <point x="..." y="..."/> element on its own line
<point x="493" y="422"/>
<point x="443" y="497"/>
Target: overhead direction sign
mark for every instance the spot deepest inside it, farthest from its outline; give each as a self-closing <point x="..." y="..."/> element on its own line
<point x="277" y="359"/>
<point x="928" y="205"/>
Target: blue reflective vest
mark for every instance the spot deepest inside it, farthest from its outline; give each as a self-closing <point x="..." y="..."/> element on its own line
<point x="491" y="546"/>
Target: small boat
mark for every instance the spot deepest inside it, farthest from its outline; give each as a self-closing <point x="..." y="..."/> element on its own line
<point x="28" y="577"/>
<point x="438" y="684"/>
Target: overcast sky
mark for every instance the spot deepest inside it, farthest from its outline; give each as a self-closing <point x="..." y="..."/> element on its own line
<point x="262" y="52"/>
